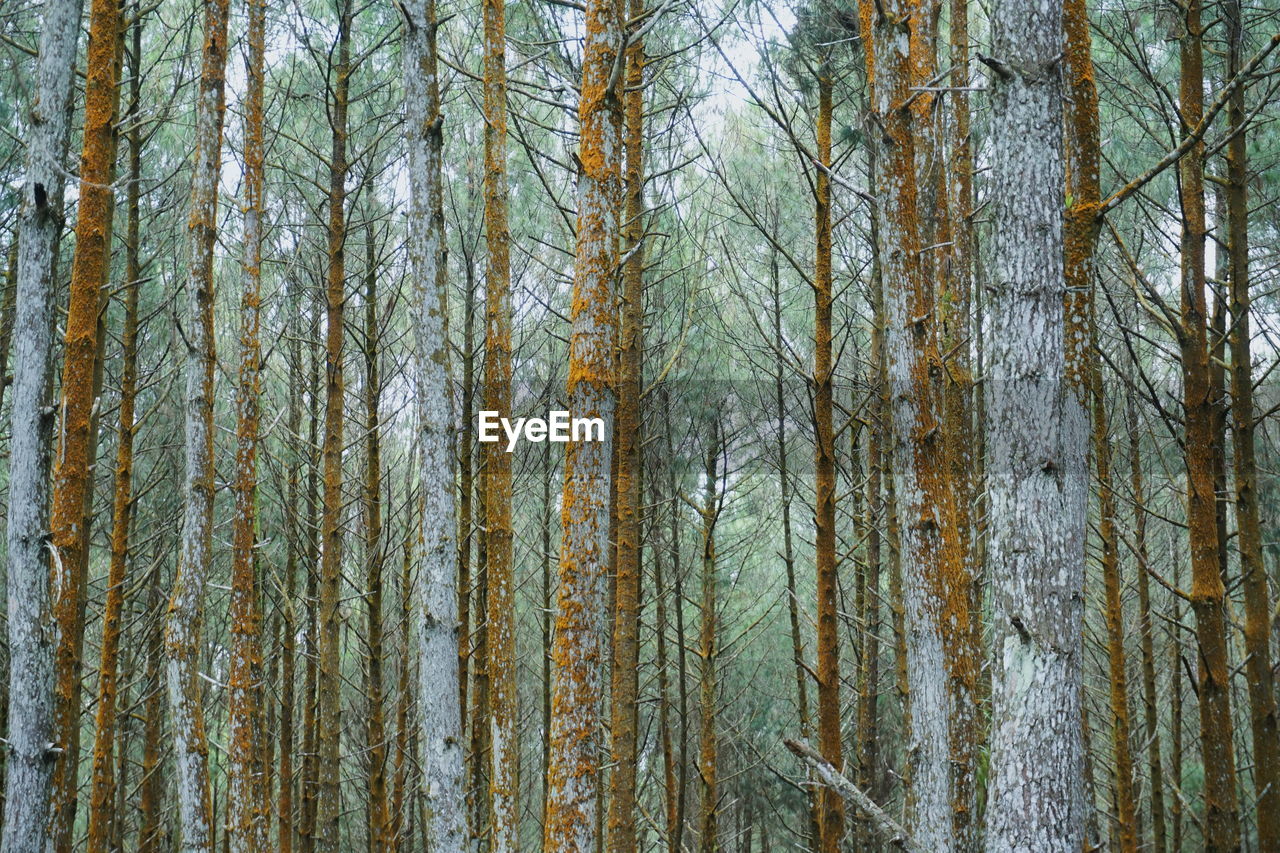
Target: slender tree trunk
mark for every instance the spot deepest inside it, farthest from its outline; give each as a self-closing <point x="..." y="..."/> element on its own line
<point x="248" y="829"/>
<point x="403" y="687"/>
<point x="1253" y="570"/>
<point x="1151" y="714"/>
<point x="868" y="693"/>
<point x="1126" y="824"/>
<point x="1038" y="442"/>
<point x="830" y="805"/>
<point x="329" y="618"/>
<point x="788" y="549"/>
<point x="628" y="491"/>
<point x="379" y="818"/>
<point x="466" y="487"/>
<point x="670" y="809"/>
<point x="708" y="652"/>
<point x="184" y="619"/>
<point x="504" y="811"/>
<point x="435" y="595"/>
<point x="73" y="472"/>
<point x="308" y="783"/>
<point x="102" y="821"/>
<point x="150" y="806"/>
<point x="584" y="555"/>
<point x="1222" y="819"/>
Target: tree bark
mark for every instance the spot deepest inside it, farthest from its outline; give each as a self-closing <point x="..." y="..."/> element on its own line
<point x="102" y="820"/>
<point x="1253" y="570"/>
<point x="629" y="494"/>
<point x="1037" y="438"/>
<point x="379" y="818"/>
<point x="584" y="554"/>
<point x="504" y="809"/>
<point x="184" y="620"/>
<point x="830" y="806"/>
<point x="435" y="594"/>
<point x="329" y="616"/>
<point x="708" y="653"/>
<point x="247" y="825"/>
<point x="1222" y="819"/>
<point x="76" y="456"/>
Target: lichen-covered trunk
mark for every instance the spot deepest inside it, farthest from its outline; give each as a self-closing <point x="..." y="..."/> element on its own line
<point x="626" y="618"/>
<point x="103" y="820"/>
<point x="1036" y="434"/>
<point x="830" y="805"/>
<point x="1208" y="595"/>
<point x="1126" y="820"/>
<point x="376" y="740"/>
<point x="504" y="810"/>
<point x="247" y="824"/>
<point x="1084" y="372"/>
<point x="77" y="428"/>
<point x="1253" y="570"/>
<point x="573" y="778"/>
<point x="434" y="621"/>
<point x="940" y="658"/>
<point x="328" y="614"/>
<point x="186" y="604"/>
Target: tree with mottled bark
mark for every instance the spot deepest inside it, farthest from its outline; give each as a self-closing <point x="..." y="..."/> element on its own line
<point x="435" y="596"/>
<point x="184" y="620"/>
<point x="247" y="825"/>
<point x="577" y="653"/>
<point x="1036" y="452"/>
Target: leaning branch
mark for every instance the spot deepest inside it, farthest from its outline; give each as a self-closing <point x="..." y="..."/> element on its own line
<point x="886" y="826"/>
<point x="1197" y="133"/>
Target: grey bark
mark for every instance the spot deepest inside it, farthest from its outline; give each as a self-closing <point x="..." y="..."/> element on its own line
<point x="31" y="755"/>
<point x="435" y="620"/>
<point x="1037" y="432"/>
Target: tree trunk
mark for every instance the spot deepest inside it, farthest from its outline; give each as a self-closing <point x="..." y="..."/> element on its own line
<point x="629" y="493"/>
<point x="248" y="829"/>
<point x="504" y="739"/>
<point x="1222" y="819"/>
<point x="830" y="806"/>
<point x="584" y="554"/>
<point x="73" y="473"/>
<point x="1037" y="434"/>
<point x="184" y="620"/>
<point x="329" y="616"/>
<point x="379" y="818"/>
<point x="940" y="653"/>
<point x="1253" y="570"/>
<point x="435" y="595"/>
<point x="708" y="652"/>
<point x="1151" y="714"/>
<point x="102" y="821"/>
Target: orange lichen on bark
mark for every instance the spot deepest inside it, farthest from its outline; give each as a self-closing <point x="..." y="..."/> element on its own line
<point x="626" y="620"/>
<point x="81" y="378"/>
<point x="573" y="777"/>
<point x="1222" y="818"/>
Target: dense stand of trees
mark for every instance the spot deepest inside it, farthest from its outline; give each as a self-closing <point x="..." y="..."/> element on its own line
<point x="936" y="502"/>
